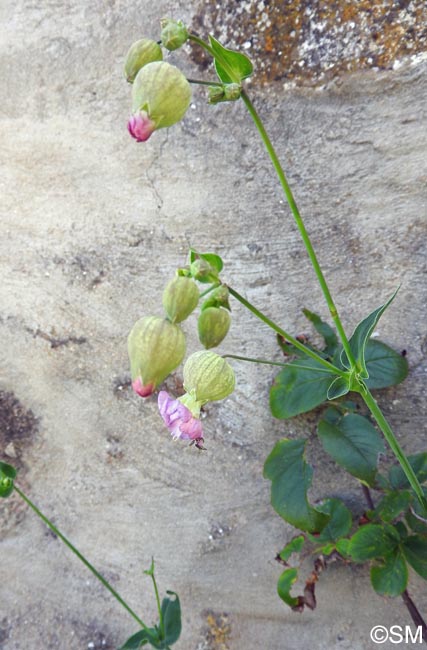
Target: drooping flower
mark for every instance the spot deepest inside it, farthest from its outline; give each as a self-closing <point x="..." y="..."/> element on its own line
<point x="140" y="126"/>
<point x="179" y="419"/>
<point x="161" y="96"/>
<point x="156" y="347"/>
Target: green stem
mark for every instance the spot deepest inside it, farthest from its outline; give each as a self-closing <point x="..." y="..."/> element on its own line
<point x="287" y="336"/>
<point x="81" y="557"/>
<point x="205" y="293"/>
<point x="204" y="83"/>
<point x="159" y="609"/>
<point x="301" y="227"/>
<point x="272" y="363"/>
<point x="371" y="403"/>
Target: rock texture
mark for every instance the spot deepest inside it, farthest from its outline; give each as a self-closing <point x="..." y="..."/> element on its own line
<point x="93" y="225"/>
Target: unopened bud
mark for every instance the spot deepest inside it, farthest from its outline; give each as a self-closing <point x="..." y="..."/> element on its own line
<point x="202" y="271"/>
<point x="219" y="297"/>
<point x="7" y="476"/>
<point x="156" y="347"/>
<point x="174" y="33"/>
<point x="208" y="376"/>
<point x="140" y="53"/>
<point x="225" y="93"/>
<point x="180" y="298"/>
<point x="213" y="325"/>
<point x="161" y="95"/>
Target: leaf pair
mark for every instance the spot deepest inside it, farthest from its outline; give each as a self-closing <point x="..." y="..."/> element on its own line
<point x="171" y="618"/>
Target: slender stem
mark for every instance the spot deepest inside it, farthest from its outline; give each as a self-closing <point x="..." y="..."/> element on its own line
<point x="371" y="403"/>
<point x="415" y="614"/>
<point x="367" y="494"/>
<point x="81" y="557"/>
<point x="273" y="363"/>
<point x="204" y="83"/>
<point x="159" y="609"/>
<point x="287" y="336"/>
<point x="301" y="227"/>
<point x="205" y="293"/>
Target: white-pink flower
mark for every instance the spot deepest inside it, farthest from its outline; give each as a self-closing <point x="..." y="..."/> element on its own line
<point x="179" y="419"/>
<point x="140" y="126"/>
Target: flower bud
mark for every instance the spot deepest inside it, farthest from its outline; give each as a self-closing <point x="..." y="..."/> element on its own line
<point x="174" y="33"/>
<point x="156" y="347"/>
<point x="225" y="93"/>
<point x="213" y="326"/>
<point x="208" y="377"/>
<point x="219" y="297"/>
<point x="140" y="53"/>
<point x="160" y="94"/>
<point x="202" y="271"/>
<point x="7" y="476"/>
<point x="180" y="298"/>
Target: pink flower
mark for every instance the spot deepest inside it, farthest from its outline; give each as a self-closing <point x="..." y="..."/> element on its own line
<point x="143" y="391"/>
<point x="140" y="126"/>
<point x="179" y="419"/>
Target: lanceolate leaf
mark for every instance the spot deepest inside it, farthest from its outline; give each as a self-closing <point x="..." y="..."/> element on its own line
<point x="290" y="478"/>
<point x="141" y="638"/>
<point x="239" y="66"/>
<point x="339" y="387"/>
<point x="284" y="586"/>
<point x="360" y="337"/>
<point x="354" y="443"/>
<point x="391" y="576"/>
<point x="171" y="612"/>
<point x="298" y="390"/>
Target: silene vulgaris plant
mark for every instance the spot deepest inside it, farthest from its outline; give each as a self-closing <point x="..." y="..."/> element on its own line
<point x="392" y="533"/>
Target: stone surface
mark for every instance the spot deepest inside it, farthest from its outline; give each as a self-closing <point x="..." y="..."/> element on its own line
<point x="92" y="227"/>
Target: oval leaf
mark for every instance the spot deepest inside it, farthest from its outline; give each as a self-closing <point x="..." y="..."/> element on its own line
<point x="171" y="613"/>
<point x="415" y="551"/>
<point x="354" y="443"/>
<point x="339" y="387"/>
<point x="418" y="463"/>
<point x="385" y="366"/>
<point x="371" y="541"/>
<point x="294" y="546"/>
<point x="339" y="523"/>
<point x="298" y="390"/>
<point x="290" y="478"/>
<point x="392" y="505"/>
<point x="391" y="577"/>
<point x="141" y="639"/>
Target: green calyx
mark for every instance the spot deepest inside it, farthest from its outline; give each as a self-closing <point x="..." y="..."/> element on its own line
<point x="174" y="33"/>
<point x="156" y="347"/>
<point x="163" y="92"/>
<point x="213" y="325"/>
<point x="180" y="298"/>
<point x="7" y="476"/>
<point x="208" y="377"/>
<point x="225" y="93"/>
<point x="140" y="54"/>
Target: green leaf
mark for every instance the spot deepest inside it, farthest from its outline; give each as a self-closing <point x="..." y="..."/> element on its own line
<point x="284" y="586"/>
<point x="339" y="387"/>
<point x="339" y="523"/>
<point x="391" y="576"/>
<point x="415" y="524"/>
<point x="324" y="330"/>
<point x="237" y="65"/>
<point x="415" y="551"/>
<point x="385" y="366"/>
<point x="354" y="443"/>
<point x="290" y="478"/>
<point x="392" y="505"/>
<point x="7" y="476"/>
<point x="141" y="639"/>
<point x="360" y="337"/>
<point x="298" y="390"/>
<point x="211" y="258"/>
<point x="418" y="463"/>
<point x="171" y="614"/>
<point x="372" y="541"/>
<point x="342" y="547"/>
<point x="294" y="546"/>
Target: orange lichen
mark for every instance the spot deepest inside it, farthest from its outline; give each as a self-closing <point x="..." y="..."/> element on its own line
<point x="309" y="43"/>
